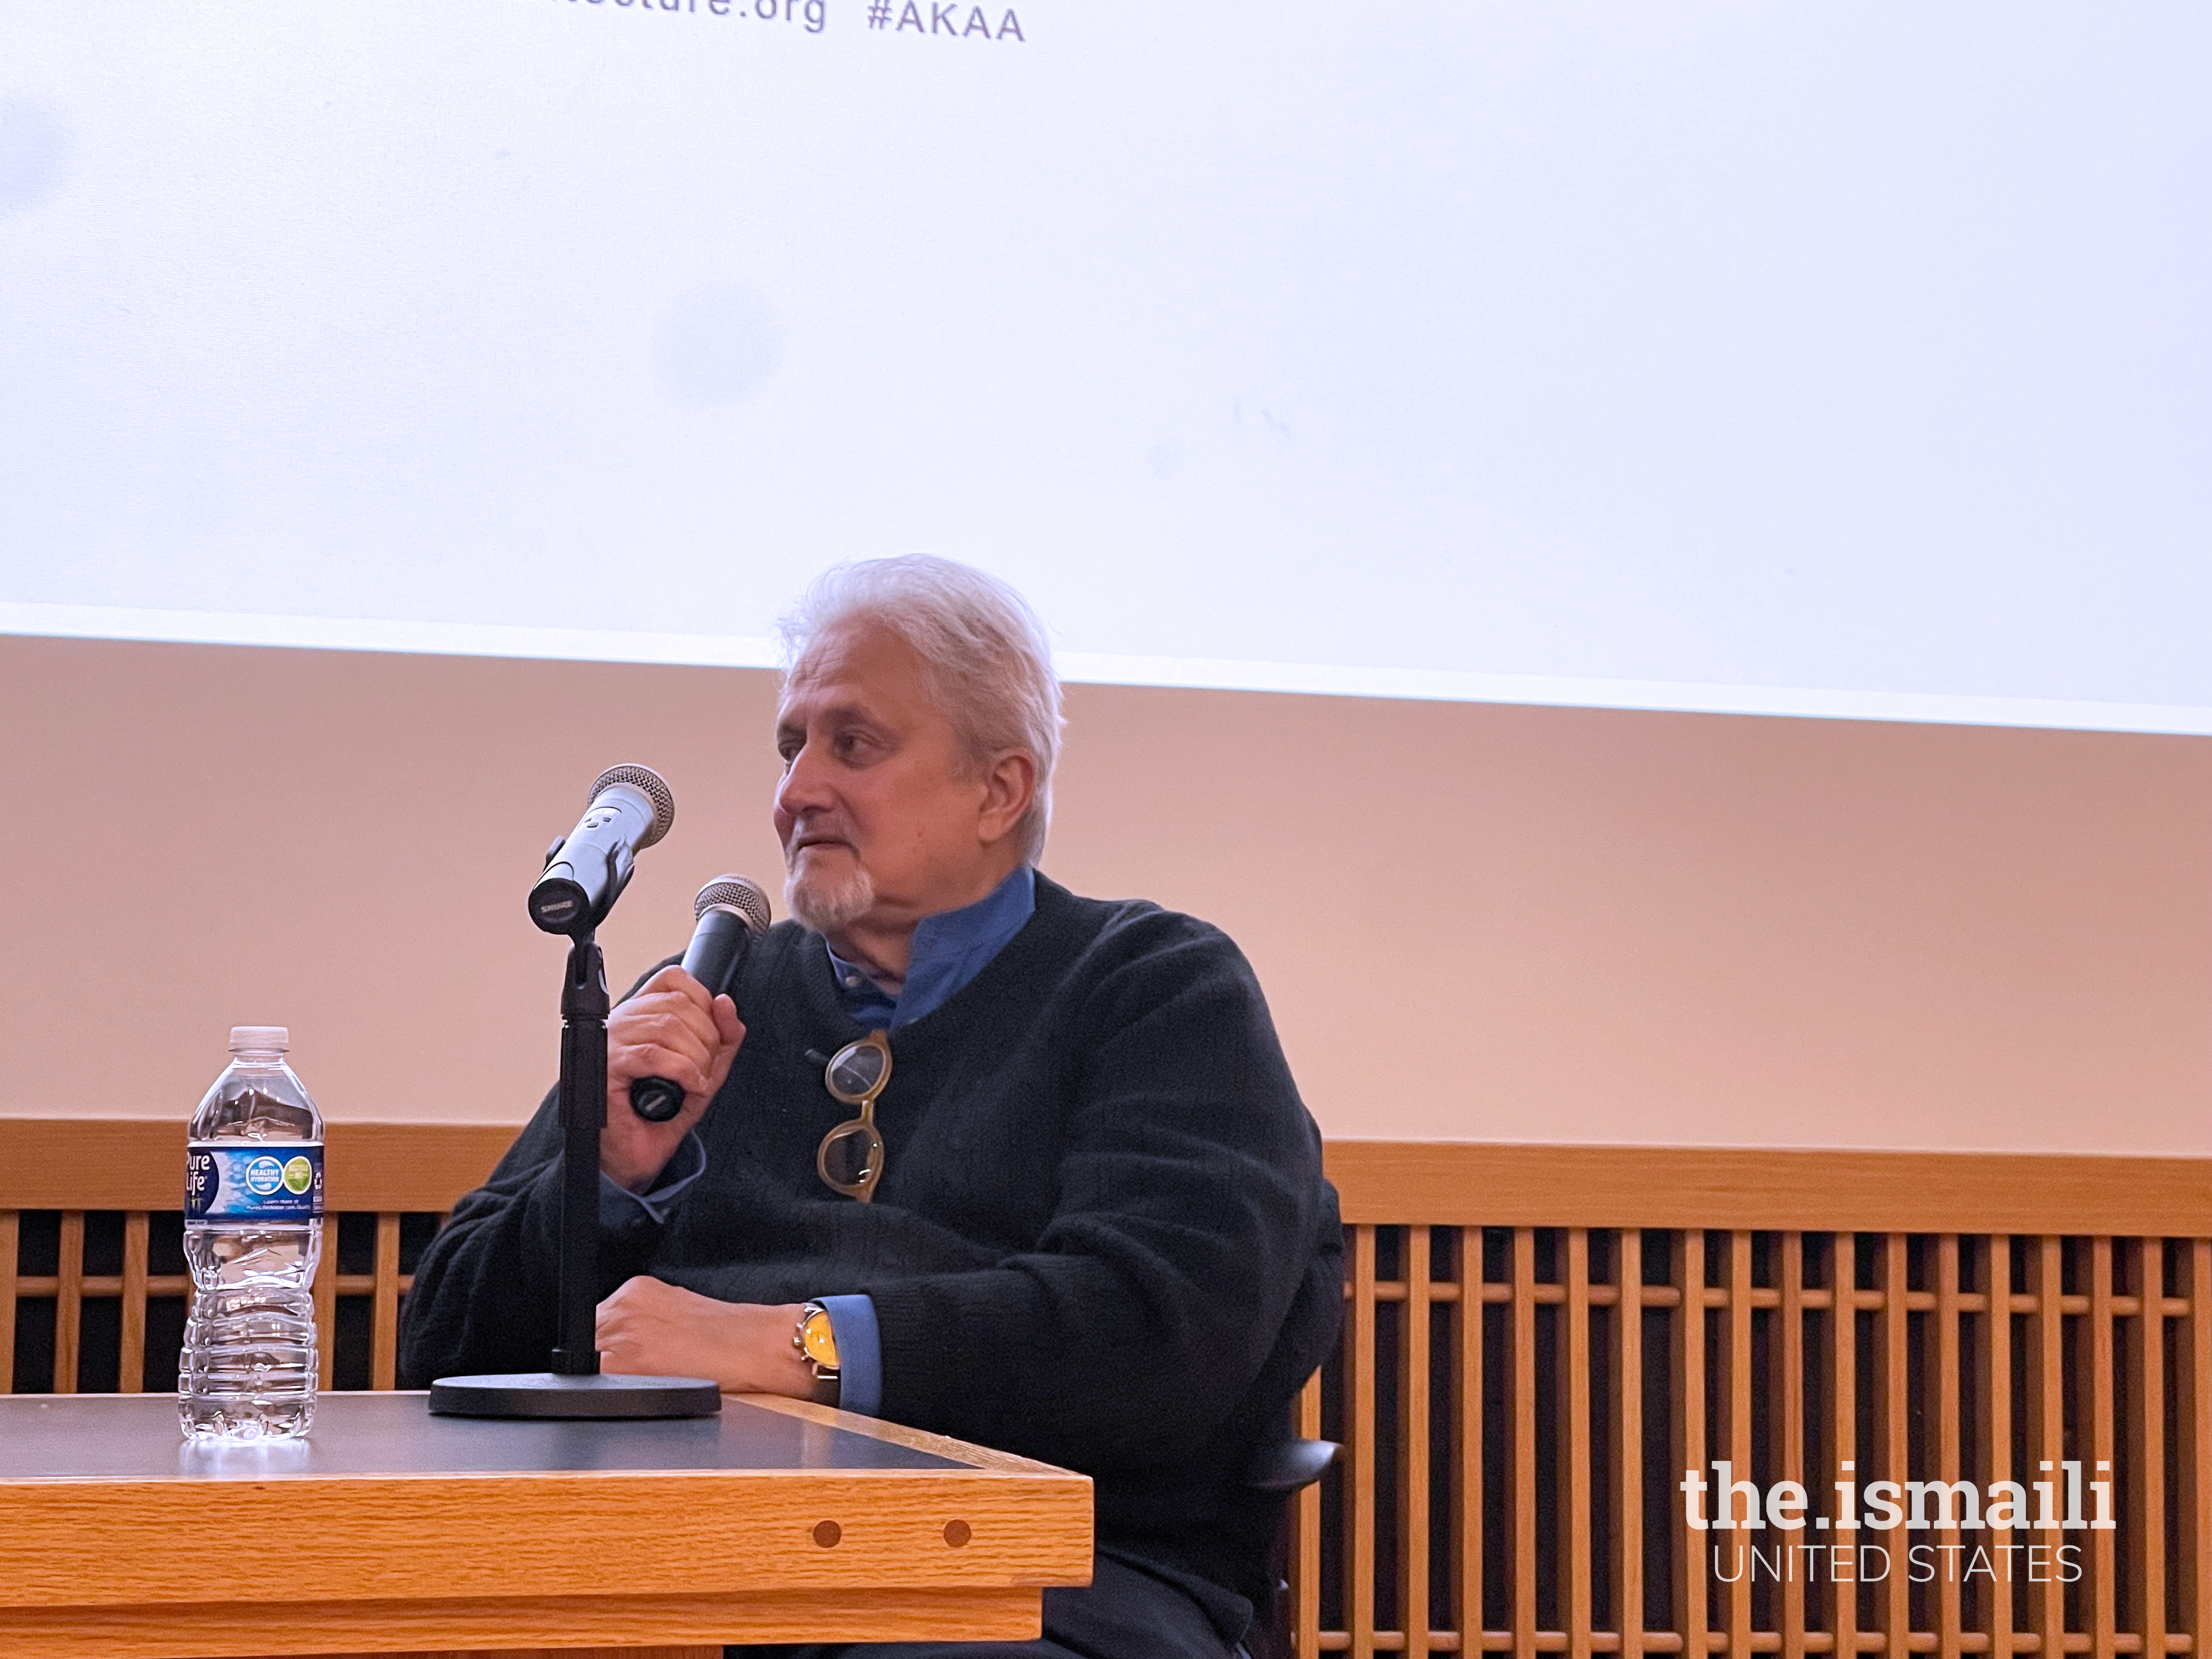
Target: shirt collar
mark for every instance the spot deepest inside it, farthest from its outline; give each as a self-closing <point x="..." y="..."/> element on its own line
<point x="950" y="949"/>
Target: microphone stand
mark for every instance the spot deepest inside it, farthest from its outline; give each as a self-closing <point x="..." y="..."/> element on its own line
<point x="575" y="1386"/>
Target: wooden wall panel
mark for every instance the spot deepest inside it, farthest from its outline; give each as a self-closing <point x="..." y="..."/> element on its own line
<point x="138" y="1164"/>
<point x="58" y="1175"/>
<point x="1933" y="1348"/>
<point x="1509" y="1184"/>
<point x="1647" y="1320"/>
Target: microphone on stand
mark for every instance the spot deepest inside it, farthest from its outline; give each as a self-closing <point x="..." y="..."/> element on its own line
<point x="585" y="874"/>
<point x="586" y="870"/>
<point x="731" y="910"/>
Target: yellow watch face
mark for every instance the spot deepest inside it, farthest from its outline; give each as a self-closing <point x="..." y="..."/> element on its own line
<point x="818" y="1341"/>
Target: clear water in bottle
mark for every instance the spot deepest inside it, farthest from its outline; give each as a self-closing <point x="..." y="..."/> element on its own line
<point x="253" y="1232"/>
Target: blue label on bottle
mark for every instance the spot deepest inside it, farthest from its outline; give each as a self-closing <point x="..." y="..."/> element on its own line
<point x="253" y="1181"/>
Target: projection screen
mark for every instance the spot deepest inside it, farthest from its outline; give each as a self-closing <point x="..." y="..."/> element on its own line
<point x="1775" y="357"/>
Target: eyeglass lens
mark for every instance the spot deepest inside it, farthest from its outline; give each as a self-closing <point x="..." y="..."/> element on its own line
<point x="858" y="1071"/>
<point x="850" y="1154"/>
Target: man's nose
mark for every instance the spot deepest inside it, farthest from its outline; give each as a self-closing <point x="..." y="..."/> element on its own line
<point x="805" y="786"/>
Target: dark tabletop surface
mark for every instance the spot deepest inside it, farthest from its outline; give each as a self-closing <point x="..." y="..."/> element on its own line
<point x="134" y="1437"/>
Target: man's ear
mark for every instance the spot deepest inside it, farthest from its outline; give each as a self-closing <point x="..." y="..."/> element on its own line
<point x="1009" y="787"/>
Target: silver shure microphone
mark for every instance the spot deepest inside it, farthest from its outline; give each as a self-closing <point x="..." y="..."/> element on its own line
<point x="629" y="809"/>
<point x="730" y="910"/>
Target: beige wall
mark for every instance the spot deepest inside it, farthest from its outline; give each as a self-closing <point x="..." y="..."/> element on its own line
<point x="1474" y="921"/>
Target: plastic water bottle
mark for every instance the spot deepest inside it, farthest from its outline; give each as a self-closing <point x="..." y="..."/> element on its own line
<point x="253" y="1232"/>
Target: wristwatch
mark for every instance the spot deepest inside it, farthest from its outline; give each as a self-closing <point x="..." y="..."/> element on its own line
<point x="815" y="1340"/>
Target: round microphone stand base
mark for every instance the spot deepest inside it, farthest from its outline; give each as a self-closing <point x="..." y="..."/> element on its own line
<point x="551" y="1394"/>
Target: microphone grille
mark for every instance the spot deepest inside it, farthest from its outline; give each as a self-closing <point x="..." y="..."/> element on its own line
<point x="738" y="894"/>
<point x="648" y="783"/>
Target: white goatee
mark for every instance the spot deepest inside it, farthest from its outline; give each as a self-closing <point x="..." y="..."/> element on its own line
<point x="819" y="904"/>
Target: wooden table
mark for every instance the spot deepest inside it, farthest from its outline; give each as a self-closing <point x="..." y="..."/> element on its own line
<point x="390" y="1531"/>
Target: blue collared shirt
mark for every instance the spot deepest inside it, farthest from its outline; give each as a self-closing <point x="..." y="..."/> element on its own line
<point x="950" y="949"/>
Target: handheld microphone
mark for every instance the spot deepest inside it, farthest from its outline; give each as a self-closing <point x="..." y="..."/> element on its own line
<point x="586" y="870"/>
<point x="730" y="910"/>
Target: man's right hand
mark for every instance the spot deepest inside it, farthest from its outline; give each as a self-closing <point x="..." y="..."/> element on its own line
<point x="672" y="1028"/>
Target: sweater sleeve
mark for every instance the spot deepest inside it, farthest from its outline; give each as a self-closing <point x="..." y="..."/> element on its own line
<point x="1191" y="1209"/>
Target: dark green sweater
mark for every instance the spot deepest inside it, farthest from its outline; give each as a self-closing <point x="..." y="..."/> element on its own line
<point x="1102" y="1239"/>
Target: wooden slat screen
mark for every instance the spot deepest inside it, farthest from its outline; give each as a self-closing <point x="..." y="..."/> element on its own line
<point x="92" y="1325"/>
<point x="94" y="1292"/>
<point x="1538" y="1342"/>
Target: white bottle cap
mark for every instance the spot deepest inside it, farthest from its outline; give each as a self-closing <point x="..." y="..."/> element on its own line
<point x="260" y="1039"/>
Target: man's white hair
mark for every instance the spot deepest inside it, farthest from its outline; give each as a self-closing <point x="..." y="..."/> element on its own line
<point x="985" y="657"/>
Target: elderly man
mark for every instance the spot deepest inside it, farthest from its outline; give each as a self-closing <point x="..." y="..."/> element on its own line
<point x="981" y="1157"/>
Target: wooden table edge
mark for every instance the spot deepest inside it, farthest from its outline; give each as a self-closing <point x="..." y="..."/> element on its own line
<point x="982" y="1458"/>
<point x="1061" y="1550"/>
<point x="973" y="1459"/>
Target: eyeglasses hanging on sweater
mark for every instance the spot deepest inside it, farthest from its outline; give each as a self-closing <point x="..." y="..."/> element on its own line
<point x="850" y="1159"/>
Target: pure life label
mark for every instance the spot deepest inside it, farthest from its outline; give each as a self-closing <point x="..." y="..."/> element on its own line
<point x="253" y="1181"/>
